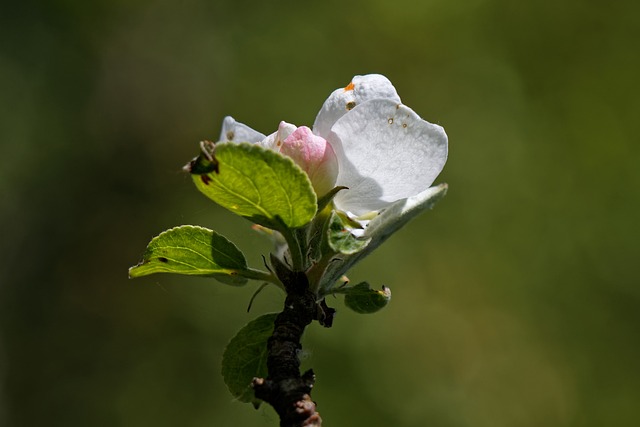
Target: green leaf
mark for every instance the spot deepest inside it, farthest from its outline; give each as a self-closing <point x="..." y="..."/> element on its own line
<point x="340" y="238"/>
<point x="401" y="212"/>
<point x="328" y="198"/>
<point x="245" y="358"/>
<point x="362" y="299"/>
<point x="259" y="184"/>
<point x="195" y="251"/>
<point x="380" y="228"/>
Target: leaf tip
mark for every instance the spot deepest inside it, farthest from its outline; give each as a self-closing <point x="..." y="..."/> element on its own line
<point x="134" y="271"/>
<point x="327" y="198"/>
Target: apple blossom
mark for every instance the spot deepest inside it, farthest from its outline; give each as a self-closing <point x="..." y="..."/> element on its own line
<point x="371" y="161"/>
<point x="385" y="152"/>
<point x="234" y="131"/>
<point x="276" y="139"/>
<point x="310" y="152"/>
<point x="315" y="156"/>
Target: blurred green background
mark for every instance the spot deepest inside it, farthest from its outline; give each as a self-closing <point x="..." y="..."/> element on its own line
<point x="516" y="301"/>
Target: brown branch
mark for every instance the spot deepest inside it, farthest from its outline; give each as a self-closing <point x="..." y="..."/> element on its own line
<point x="285" y="389"/>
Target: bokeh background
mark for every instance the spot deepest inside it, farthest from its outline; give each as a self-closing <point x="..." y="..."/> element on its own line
<point x="516" y="301"/>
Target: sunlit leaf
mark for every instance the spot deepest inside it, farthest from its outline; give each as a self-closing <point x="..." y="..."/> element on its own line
<point x="341" y="239"/>
<point x="259" y="184"/>
<point x="401" y="212"/>
<point x="381" y="227"/>
<point x="195" y="251"/>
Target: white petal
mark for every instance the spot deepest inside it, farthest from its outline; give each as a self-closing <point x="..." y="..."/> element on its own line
<point x="386" y="152"/>
<point x="233" y="131"/>
<point x="274" y="141"/>
<point x="361" y="89"/>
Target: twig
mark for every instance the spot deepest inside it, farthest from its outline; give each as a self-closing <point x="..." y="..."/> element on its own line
<point x="285" y="389"/>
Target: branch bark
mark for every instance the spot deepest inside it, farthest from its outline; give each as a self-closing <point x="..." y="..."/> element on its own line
<point x="284" y="388"/>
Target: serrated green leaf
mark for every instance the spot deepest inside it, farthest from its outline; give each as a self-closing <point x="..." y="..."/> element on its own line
<point x="341" y="239"/>
<point x="245" y="357"/>
<point x="195" y="251"/>
<point x="259" y="184"/>
<point x="362" y="299"/>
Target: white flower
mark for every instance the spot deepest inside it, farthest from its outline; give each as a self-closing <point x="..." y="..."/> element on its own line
<point x="385" y="151"/>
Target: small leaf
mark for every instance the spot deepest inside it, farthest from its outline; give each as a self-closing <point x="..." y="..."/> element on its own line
<point x="381" y="227"/>
<point x="341" y="239"/>
<point x="328" y="198"/>
<point x="245" y="357"/>
<point x="195" y="251"/>
<point x="362" y="299"/>
<point x="401" y="212"/>
<point x="259" y="184"/>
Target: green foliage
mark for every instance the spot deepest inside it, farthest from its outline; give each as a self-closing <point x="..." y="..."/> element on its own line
<point x="378" y="230"/>
<point x="259" y="184"/>
<point x="324" y="201"/>
<point x="362" y="299"/>
<point x="535" y="254"/>
<point x="341" y="239"/>
<point x="401" y="212"/>
<point x="194" y="251"/>
<point x="321" y="243"/>
<point x="245" y="358"/>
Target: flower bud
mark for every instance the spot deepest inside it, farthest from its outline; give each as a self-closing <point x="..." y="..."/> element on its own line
<point x="315" y="156"/>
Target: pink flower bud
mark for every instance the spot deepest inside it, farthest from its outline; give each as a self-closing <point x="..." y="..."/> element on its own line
<point x="315" y="156"/>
